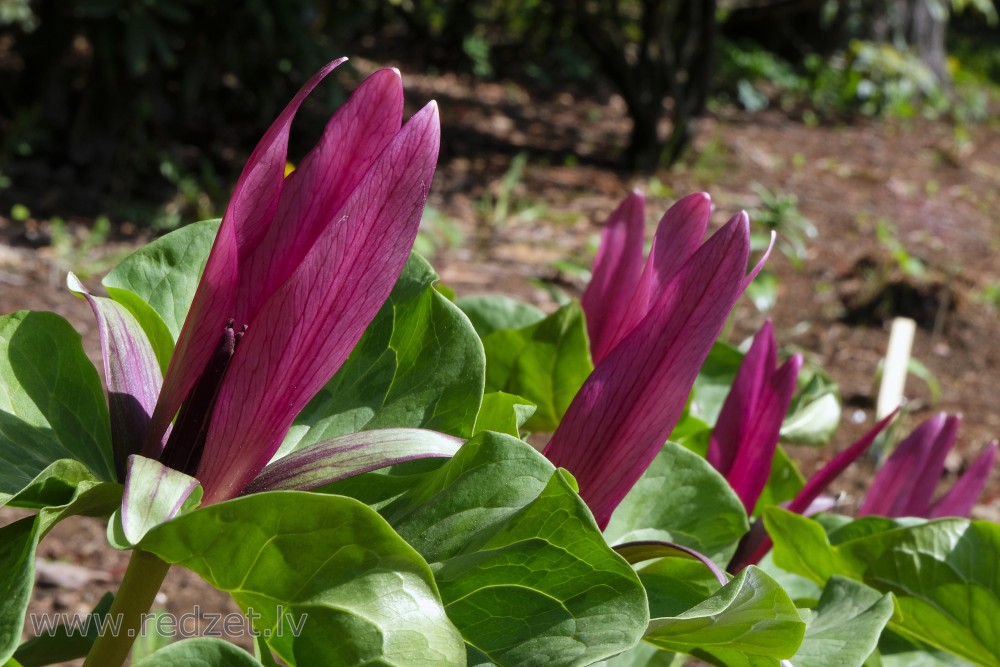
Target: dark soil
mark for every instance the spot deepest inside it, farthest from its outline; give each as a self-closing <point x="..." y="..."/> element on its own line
<point x="936" y="195"/>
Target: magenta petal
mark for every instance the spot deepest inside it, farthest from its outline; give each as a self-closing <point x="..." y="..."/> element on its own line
<point x="740" y="406"/>
<point x="925" y="482"/>
<point x="309" y="326"/>
<point x="631" y="402"/>
<point x="354" y="138"/>
<point x="678" y="236"/>
<point x="756" y="452"/>
<point x="819" y="482"/>
<point x="251" y="211"/>
<point x="616" y="273"/>
<point x="892" y="491"/>
<point x="962" y="497"/>
<point x="131" y="371"/>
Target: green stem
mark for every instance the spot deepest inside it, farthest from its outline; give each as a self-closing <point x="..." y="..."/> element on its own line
<point x="135" y="596"/>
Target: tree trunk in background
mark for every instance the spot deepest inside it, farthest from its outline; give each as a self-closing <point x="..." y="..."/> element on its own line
<point x="925" y="22"/>
<point x="654" y="52"/>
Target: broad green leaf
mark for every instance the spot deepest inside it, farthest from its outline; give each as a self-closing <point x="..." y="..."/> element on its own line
<point x="846" y="627"/>
<point x="419" y="364"/>
<point x="325" y="568"/>
<point x="66" y="488"/>
<point x="200" y="652"/>
<point x="17" y="577"/>
<point x="164" y="275"/>
<point x="63" y="643"/>
<point x="681" y="498"/>
<point x="749" y="621"/>
<point x="504" y="413"/>
<point x="944" y="574"/>
<point x="52" y="405"/>
<point x="494" y="312"/>
<point x="546" y="362"/>
<point x="523" y="570"/>
<point x="894" y="651"/>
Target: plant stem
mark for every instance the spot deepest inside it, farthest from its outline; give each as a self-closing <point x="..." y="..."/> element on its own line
<point x="135" y="596"/>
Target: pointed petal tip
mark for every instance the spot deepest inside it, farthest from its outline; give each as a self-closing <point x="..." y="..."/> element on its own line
<point x="74" y="284"/>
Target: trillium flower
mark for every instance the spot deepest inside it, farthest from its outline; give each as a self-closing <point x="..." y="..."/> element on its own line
<point x="745" y="436"/>
<point x="651" y="330"/>
<point x="299" y="268"/>
<point x="905" y="484"/>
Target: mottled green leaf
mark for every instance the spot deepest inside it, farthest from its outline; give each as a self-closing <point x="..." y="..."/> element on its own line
<point x="846" y="626"/>
<point x="326" y="563"/>
<point x="944" y="574"/>
<point x="749" y="621"/>
<point x="524" y="573"/>
<point x="681" y="498"/>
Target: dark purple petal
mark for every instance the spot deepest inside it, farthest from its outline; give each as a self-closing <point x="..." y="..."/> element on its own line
<point x="756" y="453"/>
<point x="678" y="236"/>
<point x="929" y="473"/>
<point x="893" y="491"/>
<point x="756" y="543"/>
<point x="244" y="225"/>
<point x="313" y="321"/>
<point x="333" y="460"/>
<point x="616" y="273"/>
<point x="354" y="138"/>
<point x="636" y="552"/>
<point x="822" y="479"/>
<point x="624" y="412"/>
<point x="131" y="371"/>
<point x="962" y="497"/>
<point x="740" y="407"/>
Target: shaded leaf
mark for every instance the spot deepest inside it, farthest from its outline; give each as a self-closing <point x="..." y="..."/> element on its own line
<point x="63" y="644"/>
<point x="494" y="312"/>
<point x="67" y="488"/>
<point x="681" y="498"/>
<point x="18" y="541"/>
<point x="546" y="362"/>
<point x="52" y="405"/>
